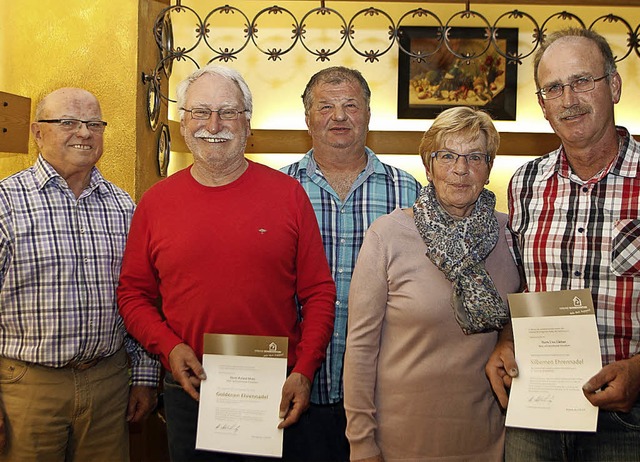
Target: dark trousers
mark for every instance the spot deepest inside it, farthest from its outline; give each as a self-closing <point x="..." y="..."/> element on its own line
<point x="319" y="435"/>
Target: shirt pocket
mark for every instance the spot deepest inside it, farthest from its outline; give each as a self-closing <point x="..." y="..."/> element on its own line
<point x="625" y="248"/>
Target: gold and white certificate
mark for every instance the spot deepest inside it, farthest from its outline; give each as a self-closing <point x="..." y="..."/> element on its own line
<point x="557" y="351"/>
<point x="240" y="399"/>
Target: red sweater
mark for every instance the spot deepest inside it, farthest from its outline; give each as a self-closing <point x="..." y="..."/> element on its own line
<point x="227" y="260"/>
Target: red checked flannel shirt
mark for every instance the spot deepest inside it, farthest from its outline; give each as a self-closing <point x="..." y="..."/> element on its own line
<point x="574" y="234"/>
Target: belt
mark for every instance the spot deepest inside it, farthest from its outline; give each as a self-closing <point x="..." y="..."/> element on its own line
<point x="83" y="365"/>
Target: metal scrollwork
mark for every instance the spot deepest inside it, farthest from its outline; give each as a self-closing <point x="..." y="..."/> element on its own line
<point x="515" y="14"/>
<point x="419" y="13"/>
<point x="163" y="31"/>
<point x="226" y="54"/>
<point x="467" y="55"/>
<point x="371" y="55"/>
<point x="273" y="53"/>
<point x="322" y="11"/>
<point x="632" y="42"/>
<point x="250" y="31"/>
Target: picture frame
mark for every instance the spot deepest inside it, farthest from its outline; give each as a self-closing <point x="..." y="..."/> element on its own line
<point x="163" y="151"/>
<point x="153" y="103"/>
<point x="468" y="68"/>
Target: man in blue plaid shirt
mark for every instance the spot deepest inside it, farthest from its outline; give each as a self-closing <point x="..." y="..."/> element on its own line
<point x="349" y="188"/>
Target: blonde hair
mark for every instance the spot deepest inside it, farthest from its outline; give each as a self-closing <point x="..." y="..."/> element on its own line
<point x="462" y="120"/>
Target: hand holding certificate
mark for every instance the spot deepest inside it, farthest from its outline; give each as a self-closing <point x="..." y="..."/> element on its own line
<point x="557" y="351"/>
<point x="239" y="401"/>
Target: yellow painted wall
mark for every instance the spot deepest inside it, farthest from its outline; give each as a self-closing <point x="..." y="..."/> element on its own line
<point x="47" y="44"/>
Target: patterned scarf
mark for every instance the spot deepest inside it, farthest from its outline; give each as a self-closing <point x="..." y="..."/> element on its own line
<point x="458" y="247"/>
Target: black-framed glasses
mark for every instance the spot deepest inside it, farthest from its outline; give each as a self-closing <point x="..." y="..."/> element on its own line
<point x="474" y="159"/>
<point x="203" y="113"/>
<point x="73" y="125"/>
<point x="579" y="85"/>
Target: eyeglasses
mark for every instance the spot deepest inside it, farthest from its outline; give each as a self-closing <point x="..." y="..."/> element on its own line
<point x="73" y="125"/>
<point x="474" y="159"/>
<point x="579" y="85"/>
<point x="204" y="113"/>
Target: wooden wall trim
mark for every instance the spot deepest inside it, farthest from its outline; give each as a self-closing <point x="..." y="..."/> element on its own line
<point x="382" y="142"/>
<point x="15" y="112"/>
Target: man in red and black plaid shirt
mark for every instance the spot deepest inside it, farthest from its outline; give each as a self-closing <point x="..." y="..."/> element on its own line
<point x="575" y="220"/>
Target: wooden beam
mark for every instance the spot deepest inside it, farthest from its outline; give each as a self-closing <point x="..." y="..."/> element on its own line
<point x="527" y="144"/>
<point x="382" y="142"/>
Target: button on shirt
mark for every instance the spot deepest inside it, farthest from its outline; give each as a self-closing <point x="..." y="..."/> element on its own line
<point x="574" y="234"/>
<point x="378" y="190"/>
<point x="60" y="260"/>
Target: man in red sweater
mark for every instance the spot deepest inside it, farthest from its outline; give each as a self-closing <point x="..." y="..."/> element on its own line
<point x="228" y="246"/>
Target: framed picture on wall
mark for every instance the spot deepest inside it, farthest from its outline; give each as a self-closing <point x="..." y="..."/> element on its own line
<point x="464" y="70"/>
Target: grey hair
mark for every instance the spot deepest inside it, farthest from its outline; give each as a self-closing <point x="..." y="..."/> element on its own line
<point x="334" y="75"/>
<point x="605" y="50"/>
<point x="225" y="72"/>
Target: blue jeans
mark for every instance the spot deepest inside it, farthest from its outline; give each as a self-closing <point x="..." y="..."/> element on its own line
<point x="182" y="422"/>
<point x="617" y="439"/>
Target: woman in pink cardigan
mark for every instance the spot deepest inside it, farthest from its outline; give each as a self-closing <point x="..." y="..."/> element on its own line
<point x="427" y="299"/>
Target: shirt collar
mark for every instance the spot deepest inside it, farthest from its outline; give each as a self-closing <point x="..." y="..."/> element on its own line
<point x="625" y="164"/>
<point x="44" y="173"/>
<point x="628" y="160"/>
<point x="374" y="165"/>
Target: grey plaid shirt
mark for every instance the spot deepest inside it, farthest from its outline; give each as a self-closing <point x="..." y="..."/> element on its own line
<point x="60" y="260"/>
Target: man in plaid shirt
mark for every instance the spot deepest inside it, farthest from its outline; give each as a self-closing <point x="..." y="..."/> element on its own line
<point x="66" y="388"/>
<point x="349" y="188"/>
<point x="575" y="219"/>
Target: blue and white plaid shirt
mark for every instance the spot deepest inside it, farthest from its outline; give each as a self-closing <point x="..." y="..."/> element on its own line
<point x="60" y="260"/>
<point x="378" y="190"/>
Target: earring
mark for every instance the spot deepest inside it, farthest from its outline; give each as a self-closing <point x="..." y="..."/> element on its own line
<point x="487" y="182"/>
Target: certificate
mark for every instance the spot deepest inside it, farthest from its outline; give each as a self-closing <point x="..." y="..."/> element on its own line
<point x="240" y="399"/>
<point x="557" y="351"/>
